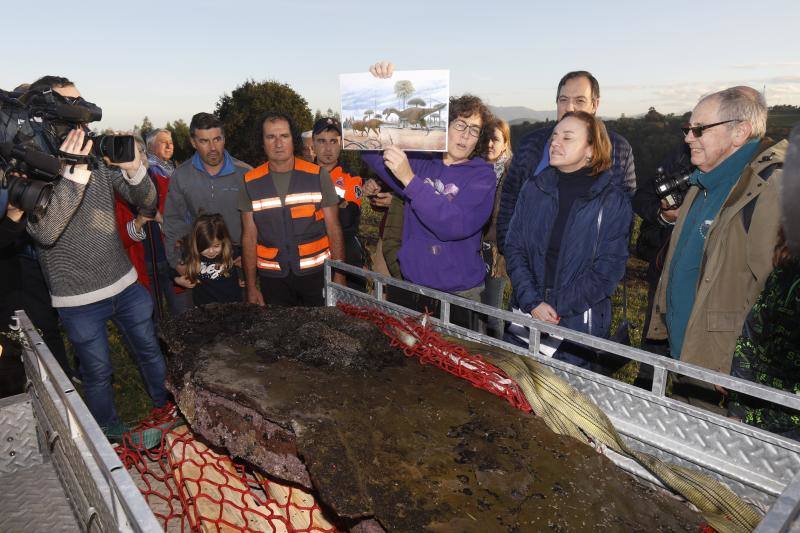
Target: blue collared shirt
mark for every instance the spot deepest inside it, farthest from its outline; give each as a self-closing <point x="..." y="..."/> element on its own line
<point x="227" y="165"/>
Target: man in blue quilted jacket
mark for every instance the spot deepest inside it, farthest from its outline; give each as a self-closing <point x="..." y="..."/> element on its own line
<point x="577" y="91"/>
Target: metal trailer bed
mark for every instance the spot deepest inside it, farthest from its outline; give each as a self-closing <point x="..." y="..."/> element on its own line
<point x="59" y="473"/>
<point x="759" y="466"/>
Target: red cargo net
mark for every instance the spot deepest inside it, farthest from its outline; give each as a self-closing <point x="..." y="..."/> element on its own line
<point x="191" y="487"/>
<point x="417" y="340"/>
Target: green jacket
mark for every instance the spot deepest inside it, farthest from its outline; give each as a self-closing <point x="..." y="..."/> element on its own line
<point x="393" y="236"/>
<point x="735" y="265"/>
<point x="768" y="352"/>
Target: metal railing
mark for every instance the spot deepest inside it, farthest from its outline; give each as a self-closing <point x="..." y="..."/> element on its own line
<point x="90" y="470"/>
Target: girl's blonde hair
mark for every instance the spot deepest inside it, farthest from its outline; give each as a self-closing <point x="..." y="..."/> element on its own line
<point x="206" y="230"/>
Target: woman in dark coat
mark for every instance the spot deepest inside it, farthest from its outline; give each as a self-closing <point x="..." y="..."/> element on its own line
<point x="567" y="243"/>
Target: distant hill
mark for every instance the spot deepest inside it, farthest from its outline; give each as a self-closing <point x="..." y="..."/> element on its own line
<point x="519" y="114"/>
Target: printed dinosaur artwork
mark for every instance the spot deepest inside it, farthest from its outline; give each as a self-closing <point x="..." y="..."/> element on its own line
<point x="408" y="110"/>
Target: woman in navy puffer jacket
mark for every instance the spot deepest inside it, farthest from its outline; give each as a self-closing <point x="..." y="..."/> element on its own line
<point x="567" y="244"/>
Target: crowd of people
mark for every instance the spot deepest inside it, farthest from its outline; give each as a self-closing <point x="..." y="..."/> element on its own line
<point x="136" y="242"/>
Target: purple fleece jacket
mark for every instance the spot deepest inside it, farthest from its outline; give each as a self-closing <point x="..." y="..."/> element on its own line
<point x="446" y="209"/>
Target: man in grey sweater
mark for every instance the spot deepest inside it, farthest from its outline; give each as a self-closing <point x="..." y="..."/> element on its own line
<point x="90" y="278"/>
<point x="209" y="183"/>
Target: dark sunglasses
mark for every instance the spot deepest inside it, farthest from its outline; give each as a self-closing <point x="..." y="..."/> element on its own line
<point x="698" y="130"/>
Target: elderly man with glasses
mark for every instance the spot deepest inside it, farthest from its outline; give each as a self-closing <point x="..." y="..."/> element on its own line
<point x="721" y="249"/>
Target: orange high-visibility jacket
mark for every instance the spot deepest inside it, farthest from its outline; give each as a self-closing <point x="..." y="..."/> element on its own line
<point x="291" y="230"/>
<point x="348" y="187"/>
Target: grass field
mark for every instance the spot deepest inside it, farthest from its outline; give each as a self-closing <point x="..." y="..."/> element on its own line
<point x="133" y="403"/>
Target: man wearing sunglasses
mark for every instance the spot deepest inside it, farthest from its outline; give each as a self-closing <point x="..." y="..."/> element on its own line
<point x="721" y="249"/>
<point x="577" y="91"/>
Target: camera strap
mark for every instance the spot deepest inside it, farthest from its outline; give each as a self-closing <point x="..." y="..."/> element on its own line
<point x="72" y="159"/>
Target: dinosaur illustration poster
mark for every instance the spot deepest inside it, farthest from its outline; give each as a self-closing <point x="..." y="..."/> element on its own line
<point x="408" y="110"/>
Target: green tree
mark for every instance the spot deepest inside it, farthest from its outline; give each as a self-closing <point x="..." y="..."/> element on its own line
<point x="653" y="116"/>
<point x="403" y="89"/>
<point x="145" y="128"/>
<point x="181" y="139"/>
<point x="329" y="113"/>
<point x="416" y="102"/>
<point x="368" y="113"/>
<point x="334" y="114"/>
<point x="241" y="113"/>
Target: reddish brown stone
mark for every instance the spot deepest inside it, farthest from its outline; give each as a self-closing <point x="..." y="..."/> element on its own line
<point x="321" y="399"/>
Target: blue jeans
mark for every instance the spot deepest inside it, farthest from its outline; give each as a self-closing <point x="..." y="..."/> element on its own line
<point x="132" y="313"/>
<point x="176" y="303"/>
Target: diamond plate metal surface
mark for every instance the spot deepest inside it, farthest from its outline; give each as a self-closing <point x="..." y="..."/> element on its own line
<point x="19" y="448"/>
<point x="765" y="462"/>
<point x="32" y="499"/>
<point x="69" y="458"/>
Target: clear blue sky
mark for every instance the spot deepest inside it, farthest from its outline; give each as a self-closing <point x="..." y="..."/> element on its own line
<point x="169" y="60"/>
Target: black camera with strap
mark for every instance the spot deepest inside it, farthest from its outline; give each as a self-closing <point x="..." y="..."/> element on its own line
<point x="33" y="125"/>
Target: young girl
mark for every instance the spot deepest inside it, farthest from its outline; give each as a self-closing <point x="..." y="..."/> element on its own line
<point x="210" y="271"/>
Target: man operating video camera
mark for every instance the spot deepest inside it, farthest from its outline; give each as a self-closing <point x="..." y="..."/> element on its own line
<point x="12" y="223"/>
<point x="90" y="278"/>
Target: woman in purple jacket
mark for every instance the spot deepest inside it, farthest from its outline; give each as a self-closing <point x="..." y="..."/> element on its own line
<point x="448" y="199"/>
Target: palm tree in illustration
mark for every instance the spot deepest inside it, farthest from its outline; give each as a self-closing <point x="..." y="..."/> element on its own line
<point x="403" y="89"/>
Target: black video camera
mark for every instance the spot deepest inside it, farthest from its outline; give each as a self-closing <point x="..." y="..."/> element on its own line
<point x="671" y="184"/>
<point x="31" y="195"/>
<point x="33" y="126"/>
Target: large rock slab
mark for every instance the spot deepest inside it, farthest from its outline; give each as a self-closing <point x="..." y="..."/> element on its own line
<point x="320" y="399"/>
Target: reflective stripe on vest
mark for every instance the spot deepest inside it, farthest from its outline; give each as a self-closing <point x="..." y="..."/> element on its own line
<point x="267" y="203"/>
<point x="268" y="265"/>
<point x="303" y="198"/>
<point x="264" y="254"/>
<point x="315" y="261"/>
